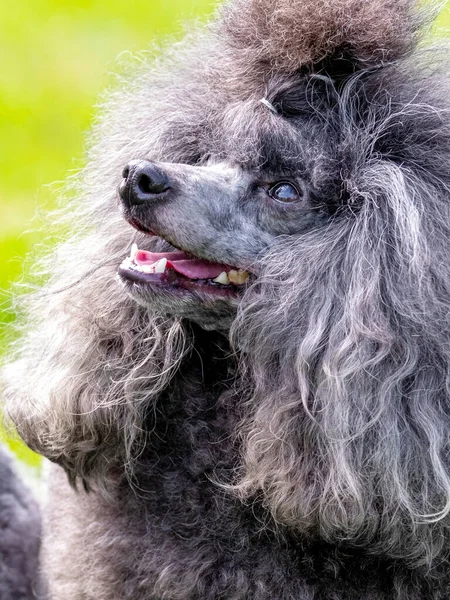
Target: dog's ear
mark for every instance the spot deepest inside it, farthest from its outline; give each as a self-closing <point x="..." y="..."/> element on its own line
<point x="288" y="35"/>
<point x="347" y="341"/>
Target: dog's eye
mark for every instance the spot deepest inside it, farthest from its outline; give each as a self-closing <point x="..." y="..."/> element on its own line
<point x="284" y="192"/>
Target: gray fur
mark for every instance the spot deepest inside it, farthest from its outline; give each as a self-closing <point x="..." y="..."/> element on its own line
<point x="20" y="530"/>
<point x="294" y="443"/>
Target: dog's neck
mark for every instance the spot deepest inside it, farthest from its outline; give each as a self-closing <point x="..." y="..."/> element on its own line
<point x="211" y="352"/>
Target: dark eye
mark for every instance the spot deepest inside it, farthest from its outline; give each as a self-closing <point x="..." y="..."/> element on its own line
<point x="285" y="192"/>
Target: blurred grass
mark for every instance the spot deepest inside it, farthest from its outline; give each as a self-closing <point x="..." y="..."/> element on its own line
<point x="55" y="56"/>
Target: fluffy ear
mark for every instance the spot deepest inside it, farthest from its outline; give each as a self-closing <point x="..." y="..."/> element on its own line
<point x="346" y="338"/>
<point x="287" y="35"/>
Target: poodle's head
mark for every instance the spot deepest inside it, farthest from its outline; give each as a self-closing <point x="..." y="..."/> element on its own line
<point x="277" y="163"/>
<point x="283" y="178"/>
<point x="270" y="156"/>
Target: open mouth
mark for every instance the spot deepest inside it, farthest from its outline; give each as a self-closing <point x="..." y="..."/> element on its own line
<point x="180" y="270"/>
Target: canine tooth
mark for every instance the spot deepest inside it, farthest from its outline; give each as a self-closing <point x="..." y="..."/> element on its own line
<point x="134" y="251"/>
<point x="160" y="266"/>
<point x="222" y="278"/>
<point x="238" y="277"/>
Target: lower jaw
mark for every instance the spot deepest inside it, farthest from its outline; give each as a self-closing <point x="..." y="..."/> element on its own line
<point x="171" y="282"/>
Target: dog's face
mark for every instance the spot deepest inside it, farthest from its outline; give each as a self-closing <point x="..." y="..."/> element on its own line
<point x="218" y="220"/>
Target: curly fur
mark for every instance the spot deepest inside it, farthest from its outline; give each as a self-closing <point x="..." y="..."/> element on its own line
<point x="309" y="459"/>
<point x="289" y="34"/>
<point x="20" y="536"/>
<point x="364" y="388"/>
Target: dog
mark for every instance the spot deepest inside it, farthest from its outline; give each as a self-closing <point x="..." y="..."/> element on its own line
<point x="240" y="362"/>
<point x="20" y="528"/>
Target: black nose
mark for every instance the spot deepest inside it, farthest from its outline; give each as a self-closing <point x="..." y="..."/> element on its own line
<point x="142" y="182"/>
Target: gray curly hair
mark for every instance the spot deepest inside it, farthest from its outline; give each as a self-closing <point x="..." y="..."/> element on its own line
<point x="341" y="342"/>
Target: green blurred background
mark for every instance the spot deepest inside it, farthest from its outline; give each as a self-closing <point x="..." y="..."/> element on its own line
<point x="56" y="56"/>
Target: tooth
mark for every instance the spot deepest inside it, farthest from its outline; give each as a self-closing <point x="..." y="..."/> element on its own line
<point x="238" y="277"/>
<point x="222" y="278"/>
<point x="126" y="262"/>
<point x="147" y="268"/>
<point x="134" y="251"/>
<point x="160" y="266"/>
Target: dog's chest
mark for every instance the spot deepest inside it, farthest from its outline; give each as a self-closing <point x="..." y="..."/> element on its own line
<point x="195" y="540"/>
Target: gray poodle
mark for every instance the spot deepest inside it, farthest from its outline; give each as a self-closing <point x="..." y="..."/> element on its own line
<point x="240" y="362"/>
<point x="19" y="536"/>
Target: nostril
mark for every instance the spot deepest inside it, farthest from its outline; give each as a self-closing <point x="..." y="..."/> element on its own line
<point x="147" y="185"/>
<point x="142" y="182"/>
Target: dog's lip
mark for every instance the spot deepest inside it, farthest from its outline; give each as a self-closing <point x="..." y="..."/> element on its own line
<point x="137" y="224"/>
<point x="172" y="282"/>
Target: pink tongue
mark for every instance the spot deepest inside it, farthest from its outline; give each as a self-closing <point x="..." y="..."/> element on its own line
<point x="193" y="268"/>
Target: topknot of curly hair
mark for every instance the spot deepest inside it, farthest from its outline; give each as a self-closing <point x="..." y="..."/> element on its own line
<point x="291" y="34"/>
